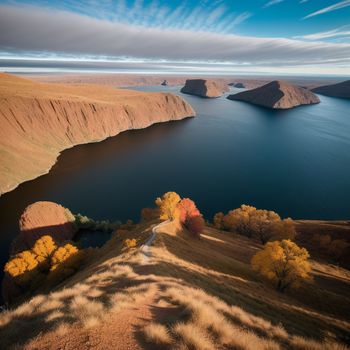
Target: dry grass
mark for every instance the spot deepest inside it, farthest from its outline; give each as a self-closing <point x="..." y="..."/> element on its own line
<point x="194" y="337"/>
<point x="157" y="333"/>
<point x="201" y="293"/>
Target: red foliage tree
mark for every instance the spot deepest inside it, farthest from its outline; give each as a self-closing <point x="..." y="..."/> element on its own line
<point x="187" y="210"/>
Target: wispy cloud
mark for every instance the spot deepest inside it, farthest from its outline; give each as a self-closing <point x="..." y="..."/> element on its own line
<point x="343" y="31"/>
<point x="334" y="7"/>
<point x="272" y="2"/>
<point x="21" y="30"/>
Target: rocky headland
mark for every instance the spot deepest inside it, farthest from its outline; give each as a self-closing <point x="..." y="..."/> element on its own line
<point x="204" y="88"/>
<point x="341" y="90"/>
<point x="277" y="95"/>
<point x="40" y="120"/>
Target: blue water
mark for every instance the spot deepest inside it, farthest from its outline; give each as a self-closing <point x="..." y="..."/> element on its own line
<point x="296" y="162"/>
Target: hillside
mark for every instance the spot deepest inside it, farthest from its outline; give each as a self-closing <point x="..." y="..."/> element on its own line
<point x="39" y="120"/>
<point x="183" y="293"/>
<point x="341" y="90"/>
<point x="277" y="95"/>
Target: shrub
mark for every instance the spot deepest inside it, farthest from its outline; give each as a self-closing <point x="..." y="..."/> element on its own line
<point x="130" y="243"/>
<point x="44" y="246"/>
<point x="218" y="220"/>
<point x="284" y="263"/>
<point x="63" y="254"/>
<point x="196" y="225"/>
<point x="23" y="267"/>
<point x="264" y="225"/>
<point x="168" y="205"/>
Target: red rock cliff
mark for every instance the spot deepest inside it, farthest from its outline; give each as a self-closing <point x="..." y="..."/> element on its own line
<point x="40" y="120"/>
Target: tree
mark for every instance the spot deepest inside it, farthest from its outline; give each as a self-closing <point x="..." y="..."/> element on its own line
<point x="196" y="225"/>
<point x="22" y="267"/>
<point x="218" y="220"/>
<point x="284" y="263"/>
<point x="264" y="225"/>
<point x="44" y="246"/>
<point x="187" y="210"/>
<point x="62" y="255"/>
<point x="168" y="205"/>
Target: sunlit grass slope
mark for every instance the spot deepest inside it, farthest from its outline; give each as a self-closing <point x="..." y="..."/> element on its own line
<point x="190" y="294"/>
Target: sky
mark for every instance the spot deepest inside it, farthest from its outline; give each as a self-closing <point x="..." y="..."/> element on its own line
<point x="301" y="37"/>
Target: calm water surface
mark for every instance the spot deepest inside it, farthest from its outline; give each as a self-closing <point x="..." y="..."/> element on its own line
<point x="296" y="162"/>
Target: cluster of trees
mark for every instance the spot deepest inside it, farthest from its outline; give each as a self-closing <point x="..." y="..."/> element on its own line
<point x="264" y="225"/>
<point x="172" y="207"/>
<point x="336" y="248"/>
<point x="45" y="262"/>
<point x="283" y="263"/>
<point x="84" y="222"/>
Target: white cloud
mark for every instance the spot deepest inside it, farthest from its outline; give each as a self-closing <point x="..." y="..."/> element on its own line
<point x="343" y="31"/>
<point x="334" y="7"/>
<point x="272" y="2"/>
<point x="37" y="30"/>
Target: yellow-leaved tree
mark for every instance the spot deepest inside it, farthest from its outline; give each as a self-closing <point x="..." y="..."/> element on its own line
<point x="44" y="247"/>
<point x="284" y="263"/>
<point x="23" y="267"/>
<point x="168" y="205"/>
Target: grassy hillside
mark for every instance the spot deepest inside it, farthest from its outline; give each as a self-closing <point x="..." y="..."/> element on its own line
<point x="189" y="294"/>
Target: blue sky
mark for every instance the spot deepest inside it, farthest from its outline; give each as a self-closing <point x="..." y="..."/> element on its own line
<point x="217" y="36"/>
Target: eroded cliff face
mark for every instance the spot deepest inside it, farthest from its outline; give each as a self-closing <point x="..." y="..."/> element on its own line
<point x="341" y="90"/>
<point x="39" y="120"/>
<point x="204" y="88"/>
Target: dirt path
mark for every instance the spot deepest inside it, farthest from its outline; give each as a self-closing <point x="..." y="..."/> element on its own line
<point x="145" y="249"/>
<point x="120" y="330"/>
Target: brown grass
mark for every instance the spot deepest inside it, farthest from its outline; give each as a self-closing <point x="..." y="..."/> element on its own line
<point x="157" y="333"/>
<point x="201" y="294"/>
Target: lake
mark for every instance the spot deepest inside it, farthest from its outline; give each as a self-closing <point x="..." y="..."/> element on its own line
<point x="296" y="162"/>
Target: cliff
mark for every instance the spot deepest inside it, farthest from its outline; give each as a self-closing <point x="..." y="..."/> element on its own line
<point x="204" y="88"/>
<point x="40" y="120"/>
<point x="341" y="90"/>
<point x="277" y="95"/>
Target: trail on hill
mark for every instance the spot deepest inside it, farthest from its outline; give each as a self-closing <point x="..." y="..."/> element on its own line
<point x="145" y="249"/>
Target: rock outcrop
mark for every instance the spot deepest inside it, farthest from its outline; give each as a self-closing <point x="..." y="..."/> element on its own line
<point x="341" y="90"/>
<point x="39" y="120"/>
<point x="237" y="85"/>
<point x="277" y="95"/>
<point x="204" y="88"/>
<point x="44" y="218"/>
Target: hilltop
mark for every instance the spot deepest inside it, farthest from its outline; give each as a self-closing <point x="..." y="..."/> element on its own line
<point x="184" y="293"/>
<point x="277" y="95"/>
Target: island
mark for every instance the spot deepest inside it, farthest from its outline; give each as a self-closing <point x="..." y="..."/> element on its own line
<point x="204" y="88"/>
<point x="277" y="95"/>
<point x="39" y="120"/>
<point x="341" y="90"/>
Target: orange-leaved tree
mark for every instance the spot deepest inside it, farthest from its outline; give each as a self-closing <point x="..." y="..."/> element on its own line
<point x="168" y="205"/>
<point x="284" y="263"/>
<point x="187" y="210"/>
<point x="190" y="216"/>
